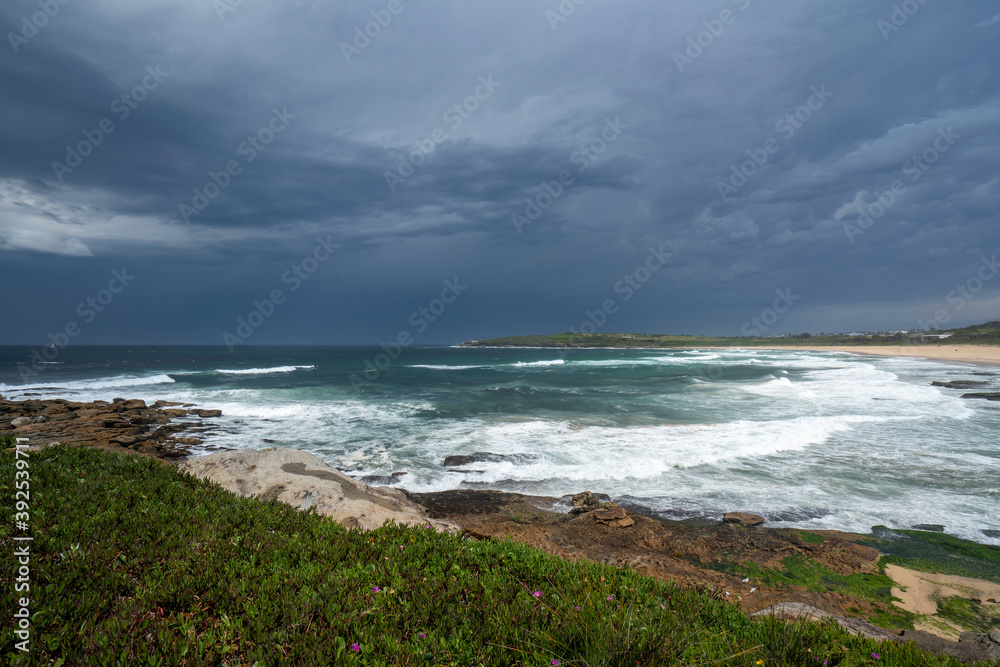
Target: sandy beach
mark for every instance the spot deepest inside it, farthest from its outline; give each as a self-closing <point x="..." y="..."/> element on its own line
<point x="919" y="593"/>
<point x="972" y="354"/>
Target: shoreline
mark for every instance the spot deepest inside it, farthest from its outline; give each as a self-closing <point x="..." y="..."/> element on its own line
<point x="977" y="355"/>
<point x="738" y="557"/>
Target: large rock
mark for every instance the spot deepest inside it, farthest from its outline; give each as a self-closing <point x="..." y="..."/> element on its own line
<point x="206" y="413"/>
<point x="124" y="424"/>
<point x="989" y="396"/>
<point x="487" y="457"/>
<point x="743" y="518"/>
<point x="586" y="499"/>
<point x="615" y="517"/>
<point x="305" y="481"/>
<point x="960" y="384"/>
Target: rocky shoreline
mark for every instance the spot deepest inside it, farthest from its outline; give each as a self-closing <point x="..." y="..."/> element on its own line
<point x="736" y="557"/>
<point x="164" y="430"/>
<point x="703" y="555"/>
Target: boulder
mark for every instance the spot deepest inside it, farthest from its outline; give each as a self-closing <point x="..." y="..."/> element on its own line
<point x="989" y="396"/>
<point x="932" y="527"/>
<point x="304" y="481"/>
<point x="743" y="518"/>
<point x="20" y="421"/>
<point x="960" y="384"/>
<point x="586" y="499"/>
<point x="488" y="457"/>
<point x="206" y="413"/>
<point x="615" y="517"/>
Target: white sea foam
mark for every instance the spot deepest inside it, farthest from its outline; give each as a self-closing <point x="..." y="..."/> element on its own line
<point x="263" y="371"/>
<point x="89" y="385"/>
<point x="545" y="362"/>
<point x="516" y="364"/>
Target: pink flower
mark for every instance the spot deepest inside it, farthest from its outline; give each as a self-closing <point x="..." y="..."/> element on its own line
<point x="537" y="594"/>
<point x="355" y="647"/>
<point x="422" y="635"/>
<point x="610" y="598"/>
<point x="554" y="661"/>
<point x="577" y="607"/>
<point x="875" y="655"/>
<point x="376" y="589"/>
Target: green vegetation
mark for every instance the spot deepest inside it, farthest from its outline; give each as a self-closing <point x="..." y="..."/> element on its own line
<point x="801" y="571"/>
<point x="133" y="563"/>
<point x="810" y="538"/>
<point x="928" y="551"/>
<point x="969" y="614"/>
<point x="980" y="334"/>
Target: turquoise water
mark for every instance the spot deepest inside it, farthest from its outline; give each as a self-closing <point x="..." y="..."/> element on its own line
<point x="808" y="439"/>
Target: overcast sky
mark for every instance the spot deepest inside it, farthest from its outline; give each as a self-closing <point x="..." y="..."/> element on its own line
<point x="203" y="149"/>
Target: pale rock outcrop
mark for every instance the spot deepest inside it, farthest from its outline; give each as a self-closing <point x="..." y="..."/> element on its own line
<point x="303" y="480"/>
<point x="743" y="518"/>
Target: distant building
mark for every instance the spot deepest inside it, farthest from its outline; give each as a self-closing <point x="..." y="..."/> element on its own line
<point x="929" y="337"/>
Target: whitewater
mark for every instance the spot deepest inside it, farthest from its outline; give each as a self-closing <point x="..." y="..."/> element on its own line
<point x="806" y="439"/>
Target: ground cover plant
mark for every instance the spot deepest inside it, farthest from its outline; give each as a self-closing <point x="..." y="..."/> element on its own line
<point x="134" y="563"/>
<point x="930" y="551"/>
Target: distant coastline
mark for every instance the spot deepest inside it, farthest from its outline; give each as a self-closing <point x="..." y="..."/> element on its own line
<point x="979" y="344"/>
<point x="982" y="355"/>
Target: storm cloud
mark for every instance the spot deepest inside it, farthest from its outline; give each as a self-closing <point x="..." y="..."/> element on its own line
<point x="847" y="151"/>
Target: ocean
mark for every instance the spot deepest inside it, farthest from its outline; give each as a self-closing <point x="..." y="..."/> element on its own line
<point x="806" y="439"/>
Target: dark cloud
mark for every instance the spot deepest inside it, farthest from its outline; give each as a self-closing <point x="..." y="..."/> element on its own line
<point x="478" y="110"/>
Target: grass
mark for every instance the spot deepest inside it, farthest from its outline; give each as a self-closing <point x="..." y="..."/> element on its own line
<point x="801" y="571"/>
<point x="134" y="563"/>
<point x="929" y="551"/>
<point x="969" y="614"/>
<point x="810" y="538"/>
